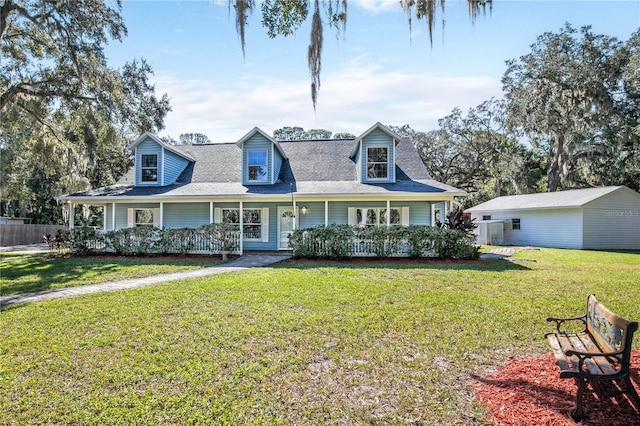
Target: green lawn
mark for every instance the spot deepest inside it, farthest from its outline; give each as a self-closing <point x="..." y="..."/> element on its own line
<point x="23" y="273"/>
<point x="296" y="344"/>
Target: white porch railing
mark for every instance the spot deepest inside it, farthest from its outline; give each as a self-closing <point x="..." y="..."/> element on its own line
<point x="191" y="243"/>
<point x="368" y="248"/>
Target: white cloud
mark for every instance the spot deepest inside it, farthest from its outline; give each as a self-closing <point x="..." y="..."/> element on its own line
<point x="349" y="101"/>
<point x="378" y="6"/>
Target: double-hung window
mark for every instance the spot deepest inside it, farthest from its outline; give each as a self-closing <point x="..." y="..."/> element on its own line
<point x="515" y="224"/>
<point x="149" y="168"/>
<point x="257" y="166"/>
<point x="252" y="226"/>
<point x="377" y="162"/>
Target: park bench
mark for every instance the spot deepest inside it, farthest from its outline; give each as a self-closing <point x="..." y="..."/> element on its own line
<point x="596" y="357"/>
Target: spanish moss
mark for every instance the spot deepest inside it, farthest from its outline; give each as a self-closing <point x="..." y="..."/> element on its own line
<point x="243" y="10"/>
<point x="314" y="56"/>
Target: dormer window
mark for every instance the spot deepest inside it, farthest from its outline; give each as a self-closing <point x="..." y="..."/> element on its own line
<point x="149" y="168"/>
<point x="377" y="162"/>
<point x="257" y="164"/>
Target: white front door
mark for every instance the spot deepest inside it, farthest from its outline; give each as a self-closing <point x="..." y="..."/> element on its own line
<point x="286" y="221"/>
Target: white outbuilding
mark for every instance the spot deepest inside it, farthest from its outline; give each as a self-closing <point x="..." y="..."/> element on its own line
<point x="593" y="218"/>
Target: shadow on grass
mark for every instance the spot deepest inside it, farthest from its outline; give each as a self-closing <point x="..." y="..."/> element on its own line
<point x="494" y="265"/>
<point x="22" y="273"/>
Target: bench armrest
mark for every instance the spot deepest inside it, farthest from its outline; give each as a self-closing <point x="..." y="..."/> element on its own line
<point x="560" y="321"/>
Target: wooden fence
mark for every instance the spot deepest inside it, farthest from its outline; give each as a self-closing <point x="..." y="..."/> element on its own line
<point x="13" y="235"/>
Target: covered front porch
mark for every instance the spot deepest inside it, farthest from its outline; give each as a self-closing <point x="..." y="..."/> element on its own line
<point x="263" y="224"/>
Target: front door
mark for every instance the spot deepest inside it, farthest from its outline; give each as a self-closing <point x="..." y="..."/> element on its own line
<point x="286" y="222"/>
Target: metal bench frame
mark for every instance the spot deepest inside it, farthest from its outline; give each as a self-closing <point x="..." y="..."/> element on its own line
<point x="597" y="356"/>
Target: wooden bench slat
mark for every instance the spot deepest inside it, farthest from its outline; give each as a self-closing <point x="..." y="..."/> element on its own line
<point x="605" y="332"/>
<point x="566" y="344"/>
<point x="561" y="360"/>
<point x="606" y="366"/>
<point x="582" y="343"/>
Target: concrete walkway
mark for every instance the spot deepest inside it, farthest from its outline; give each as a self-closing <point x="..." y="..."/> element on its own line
<point x="499" y="253"/>
<point x="242" y="263"/>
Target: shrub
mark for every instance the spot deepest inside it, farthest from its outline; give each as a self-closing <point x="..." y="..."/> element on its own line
<point x="455" y="244"/>
<point x="79" y="241"/>
<point x="153" y="241"/>
<point x="221" y="236"/>
<point x="383" y="241"/>
<point x="332" y="242"/>
<point x="420" y="240"/>
<point x="337" y="242"/>
<point x="461" y="221"/>
<point x="142" y="240"/>
<point x="180" y="241"/>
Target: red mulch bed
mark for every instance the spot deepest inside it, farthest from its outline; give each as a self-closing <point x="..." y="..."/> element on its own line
<point x="529" y="391"/>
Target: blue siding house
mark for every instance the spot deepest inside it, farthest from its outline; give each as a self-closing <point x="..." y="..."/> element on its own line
<point x="270" y="188"/>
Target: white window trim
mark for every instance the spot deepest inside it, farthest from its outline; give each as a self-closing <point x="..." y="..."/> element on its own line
<point x="149" y="182"/>
<point x="266" y="165"/>
<point x="435" y="208"/>
<point x="264" y="221"/>
<point x="366" y="164"/>
<point x="352" y="215"/>
<point x="131" y="216"/>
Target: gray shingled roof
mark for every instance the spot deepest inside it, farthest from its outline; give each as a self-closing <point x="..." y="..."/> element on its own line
<point x="547" y="200"/>
<point x="313" y="167"/>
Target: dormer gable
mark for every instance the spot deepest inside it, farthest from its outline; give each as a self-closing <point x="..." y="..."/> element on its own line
<point x="374" y="154"/>
<point x="262" y="158"/>
<point x="157" y="163"/>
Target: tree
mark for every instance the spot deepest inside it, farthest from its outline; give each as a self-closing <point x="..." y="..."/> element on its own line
<point x="344" y="135"/>
<point x="475" y="152"/>
<point x="64" y="110"/>
<point x="561" y="96"/>
<point x="621" y="165"/>
<point x="285" y="17"/>
<point x="288" y="133"/>
<point x="315" y="134"/>
<point x="193" y="139"/>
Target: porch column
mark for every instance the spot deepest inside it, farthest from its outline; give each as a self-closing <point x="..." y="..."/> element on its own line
<point x="388" y="213"/>
<point x="295" y="216"/>
<point x="161" y="221"/>
<point x="326" y="213"/>
<point x="241" y="217"/>
<point x="211" y="212"/>
<point x="113" y="216"/>
<point x="72" y="208"/>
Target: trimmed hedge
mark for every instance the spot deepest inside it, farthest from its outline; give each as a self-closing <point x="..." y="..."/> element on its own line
<point x="321" y="242"/>
<point x="417" y="241"/>
<point x="215" y="238"/>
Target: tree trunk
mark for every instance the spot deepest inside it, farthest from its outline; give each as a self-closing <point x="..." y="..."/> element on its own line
<point x="553" y="174"/>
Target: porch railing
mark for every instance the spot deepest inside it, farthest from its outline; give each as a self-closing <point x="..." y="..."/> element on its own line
<point x="187" y="241"/>
<point x="369" y="248"/>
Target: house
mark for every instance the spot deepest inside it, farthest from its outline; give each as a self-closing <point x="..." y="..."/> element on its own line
<point x="593" y="218"/>
<point x="271" y="187"/>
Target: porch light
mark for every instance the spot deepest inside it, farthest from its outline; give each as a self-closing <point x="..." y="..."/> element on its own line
<point x="304" y="210"/>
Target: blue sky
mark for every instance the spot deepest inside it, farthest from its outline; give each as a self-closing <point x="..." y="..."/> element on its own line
<point x="378" y="72"/>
